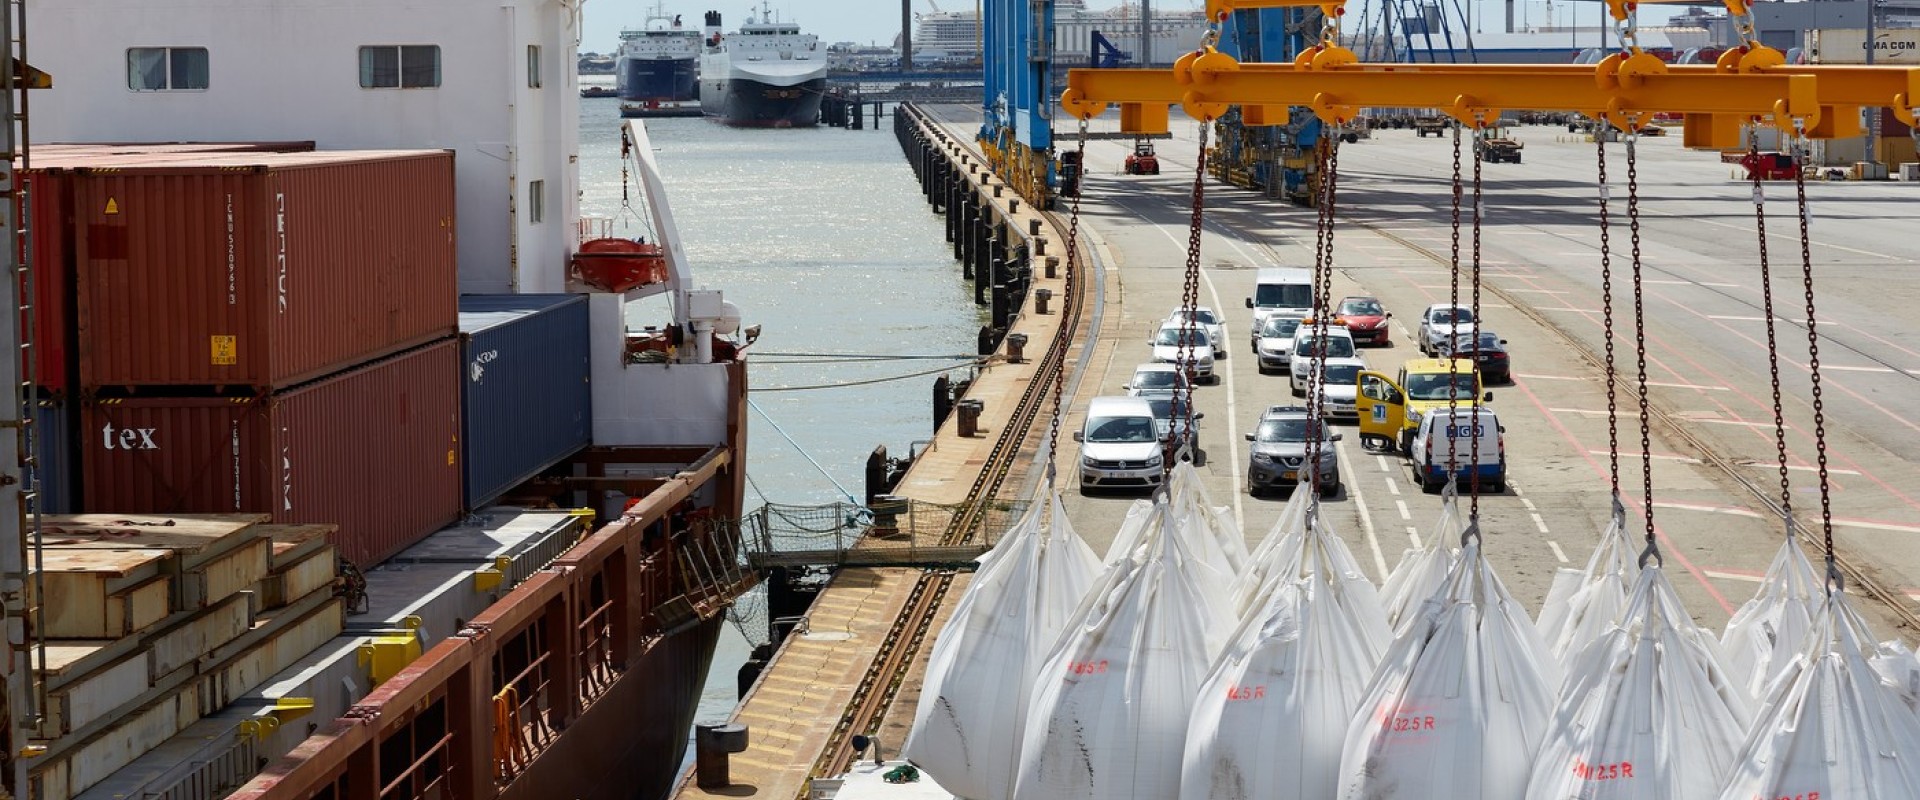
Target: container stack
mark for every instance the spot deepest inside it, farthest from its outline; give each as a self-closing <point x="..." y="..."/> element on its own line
<point x="526" y="395"/>
<point x="156" y="621"/>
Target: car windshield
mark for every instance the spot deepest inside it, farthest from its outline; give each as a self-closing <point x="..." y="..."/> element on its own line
<point x="1337" y="347"/>
<point x="1205" y="316"/>
<point x="1362" y="307"/>
<point x="1285" y="429"/>
<point x="1489" y="341"/>
<point x="1283" y="295"/>
<point x="1484" y="341"/>
<point x="1436" y="386"/>
<point x="1171" y="336"/>
<point x="1121" y="429"/>
<point x="1343" y="375"/>
<point x="1164" y="408"/>
<point x="1154" y="379"/>
<point x="1442" y="316"/>
<point x="1280" y="327"/>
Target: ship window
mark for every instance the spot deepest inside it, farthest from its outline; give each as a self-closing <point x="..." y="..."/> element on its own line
<point x="410" y="66"/>
<point x="167" y="69"/>
<point x="533" y="66"/>
<point x="536" y="201"/>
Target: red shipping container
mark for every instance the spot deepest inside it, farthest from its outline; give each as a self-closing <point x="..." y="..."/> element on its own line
<point x="374" y="450"/>
<point x="45" y="212"/>
<point x="260" y="270"/>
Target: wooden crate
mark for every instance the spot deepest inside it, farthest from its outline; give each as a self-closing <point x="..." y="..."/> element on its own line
<point x="88" y="680"/>
<point x="141" y="731"/>
<point x="215" y="555"/>
<point x="274" y="645"/>
<point x="311" y="574"/>
<point x="102" y="593"/>
<point x="183" y="643"/>
<point x="293" y="543"/>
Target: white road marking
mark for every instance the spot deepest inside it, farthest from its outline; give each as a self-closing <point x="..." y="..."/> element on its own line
<point x="1539" y="523"/>
<point x="1402" y="505"/>
<point x="1842" y="368"/>
<point x="1719" y="285"/>
<point x="1693" y="386"/>
<point x="1805" y="468"/>
<point x="1557" y="552"/>
<point x="1738" y="512"/>
<point x="1569" y="310"/>
<point x="1393" y="487"/>
<point x="1382" y="460"/>
<point x="1366" y="517"/>
<point x="1656" y="456"/>
<point x="1528" y="504"/>
<point x="1541" y="291"/>
<point x="1531" y="376"/>
<point x="1414" y="534"/>
<point x="1876" y="526"/>
<point x="1732" y="576"/>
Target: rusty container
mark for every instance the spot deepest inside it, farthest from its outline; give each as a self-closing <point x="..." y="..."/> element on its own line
<point x="260" y="270"/>
<point x="44" y="210"/>
<point x="374" y="450"/>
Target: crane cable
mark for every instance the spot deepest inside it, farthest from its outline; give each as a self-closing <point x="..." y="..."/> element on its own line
<point x="1067" y="299"/>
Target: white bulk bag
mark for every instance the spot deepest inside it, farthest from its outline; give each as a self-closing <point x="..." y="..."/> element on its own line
<point x="1261" y="563"/>
<point x="1108" y="717"/>
<point x="1831" y="726"/>
<point x="1422" y="570"/>
<point x="1646" y="710"/>
<point x="1773" y="627"/>
<point x="1132" y="533"/>
<point x="1224" y="545"/>
<point x="1460" y="702"/>
<point x="1583" y="605"/>
<point x="1270" y="719"/>
<point x="966" y="729"/>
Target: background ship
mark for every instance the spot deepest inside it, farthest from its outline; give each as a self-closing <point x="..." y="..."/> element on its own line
<point x="766" y="74"/>
<point x="528" y="588"/>
<point x="657" y="62"/>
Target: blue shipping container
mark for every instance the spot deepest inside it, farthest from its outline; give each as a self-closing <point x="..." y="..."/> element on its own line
<point x="526" y="400"/>
<point x="54" y="437"/>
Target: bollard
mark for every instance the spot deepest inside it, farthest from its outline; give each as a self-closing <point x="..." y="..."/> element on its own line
<point x="711" y="744"/>
<point x="1040" y="299"/>
<point x="1039" y="245"/>
<point x="1013" y="206"/>
<point x="1033" y="227"/>
<point x="1053" y="266"/>
<point x="942" y="401"/>
<point x="969" y="418"/>
<point x="1016" y="348"/>
<point x="886" y="510"/>
<point x="996" y="190"/>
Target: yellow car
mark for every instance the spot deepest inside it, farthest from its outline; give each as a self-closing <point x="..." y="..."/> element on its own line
<point x="1390" y="409"/>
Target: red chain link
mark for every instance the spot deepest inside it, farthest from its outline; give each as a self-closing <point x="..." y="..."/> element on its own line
<point x="1606" y="319"/>
<point x="1813" y="371"/>
<point x="1179" y="442"/>
<point x="1473" y="448"/>
<point x="1766" y="303"/>
<point x="1640" y="337"/>
<point x="1067" y="298"/>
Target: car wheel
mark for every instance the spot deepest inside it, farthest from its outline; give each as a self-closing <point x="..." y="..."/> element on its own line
<point x="1252" y="490"/>
<point x="1293" y="388"/>
<point x="1330" y="491"/>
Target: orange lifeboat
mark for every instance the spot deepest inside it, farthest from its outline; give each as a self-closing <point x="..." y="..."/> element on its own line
<point x="619" y="265"/>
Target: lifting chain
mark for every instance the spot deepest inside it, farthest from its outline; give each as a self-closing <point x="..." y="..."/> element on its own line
<point x="1834" y="581"/>
<point x="1180" y="443"/>
<point x="1606" y="320"/>
<point x="1766" y="311"/>
<point x="1327" y="167"/>
<point x="1473" y="430"/>
<point x="1453" y="335"/>
<point x="1640" y="337"/>
<point x="1067" y="299"/>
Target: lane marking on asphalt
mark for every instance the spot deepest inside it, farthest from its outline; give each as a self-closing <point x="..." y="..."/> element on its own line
<point x="1393" y="487"/>
<point x="1719" y="285"/>
<point x="1382" y="461"/>
<point x="1539" y="523"/>
<point x="1540" y="291"/>
<point x="1877" y="526"/>
<point x="1531" y="376"/>
<point x="1557" y="552"/>
<point x="1366" y="517"/>
<point x="1402" y="505"/>
<point x="1712" y="509"/>
<point x="1414" y="534"/>
<point x="1742" y="318"/>
<point x="1656" y="456"/>
<point x="1804" y="468"/>
<point x="1694" y="386"/>
<point x="1528" y="504"/>
<point x="1846" y="368"/>
<point x="1568" y="310"/>
<point x="1733" y="576"/>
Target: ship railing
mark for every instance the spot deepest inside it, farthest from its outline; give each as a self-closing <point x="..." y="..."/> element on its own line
<point x="898" y="532"/>
<point x="433" y="765"/>
<point x="594" y="655"/>
<point x="593" y="227"/>
<point x="521" y="726"/>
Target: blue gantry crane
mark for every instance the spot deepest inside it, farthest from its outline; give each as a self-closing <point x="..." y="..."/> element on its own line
<point x="1274" y="159"/>
<point x="1016" y="129"/>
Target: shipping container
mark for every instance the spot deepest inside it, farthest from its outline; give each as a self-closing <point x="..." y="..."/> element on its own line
<point x="374" y="450"/>
<point x="260" y="270"/>
<point x="525" y="391"/>
<point x="53" y="441"/>
<point x="47" y="250"/>
<point x="1893" y="47"/>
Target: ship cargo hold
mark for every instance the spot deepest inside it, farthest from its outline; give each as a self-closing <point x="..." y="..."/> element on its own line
<point x="526" y="395"/>
<point x="374" y="450"/>
<point x="260" y="270"/>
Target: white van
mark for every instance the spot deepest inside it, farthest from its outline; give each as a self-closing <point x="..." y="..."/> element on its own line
<point x="1456" y="429"/>
<point x="1119" y="445"/>
<point x="1277" y="290"/>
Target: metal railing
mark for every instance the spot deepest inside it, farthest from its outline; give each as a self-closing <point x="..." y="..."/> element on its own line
<point x="904" y="533"/>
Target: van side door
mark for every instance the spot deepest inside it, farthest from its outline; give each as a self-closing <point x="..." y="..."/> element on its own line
<point x="1382" y="405"/>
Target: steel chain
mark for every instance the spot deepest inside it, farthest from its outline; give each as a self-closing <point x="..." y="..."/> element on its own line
<point x="1187" y="364"/>
<point x="1766" y="302"/>
<point x="1473" y="429"/>
<point x="1453" y="336"/>
<point x="1813" y="372"/>
<point x="1067" y="298"/>
<point x="1309" y="473"/>
<point x="1606" y="320"/>
<point x="1640" y="332"/>
<point x="1329" y="167"/>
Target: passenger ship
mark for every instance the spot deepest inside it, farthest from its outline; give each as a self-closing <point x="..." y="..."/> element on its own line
<point x="549" y="647"/>
<point x="767" y="74"/>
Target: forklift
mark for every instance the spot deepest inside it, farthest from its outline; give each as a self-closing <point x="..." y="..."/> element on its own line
<point x="1143" y="161"/>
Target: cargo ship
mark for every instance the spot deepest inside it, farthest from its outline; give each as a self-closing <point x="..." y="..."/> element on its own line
<point x="345" y="475"/>
<point x="657" y="67"/>
<point x="765" y="75"/>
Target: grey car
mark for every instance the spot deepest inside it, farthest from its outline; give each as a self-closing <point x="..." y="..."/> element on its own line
<point x="1278" y="452"/>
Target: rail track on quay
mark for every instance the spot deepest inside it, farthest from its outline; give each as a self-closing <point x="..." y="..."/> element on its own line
<point x="881" y="683"/>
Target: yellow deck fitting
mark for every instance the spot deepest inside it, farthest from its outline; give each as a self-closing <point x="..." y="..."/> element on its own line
<point x="489" y="579"/>
<point x="390" y="651"/>
<point x="286" y="708"/>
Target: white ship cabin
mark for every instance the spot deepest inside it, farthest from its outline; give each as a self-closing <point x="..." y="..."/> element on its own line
<point x="494" y="82"/>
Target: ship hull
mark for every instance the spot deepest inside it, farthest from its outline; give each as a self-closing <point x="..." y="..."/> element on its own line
<point x="666" y="80"/>
<point x="629" y="745"/>
<point x="748" y="103"/>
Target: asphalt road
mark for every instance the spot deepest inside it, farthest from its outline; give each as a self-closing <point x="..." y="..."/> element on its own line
<point x="1712" y="437"/>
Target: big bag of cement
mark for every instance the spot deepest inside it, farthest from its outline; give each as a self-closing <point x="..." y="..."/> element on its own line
<point x="1262" y="563"/>
<point x="1461" y="700"/>
<point x="1223" y="544"/>
<point x="1773" y="627"/>
<point x="966" y="729"/>
<point x="1132" y="533"/>
<point x="1832" y="727"/>
<point x="1646" y="710"/>
<point x="1270" y="718"/>
<point x="1422" y="570"/>
<point x="1583" y="605"/>
<point x="1108" y="718"/>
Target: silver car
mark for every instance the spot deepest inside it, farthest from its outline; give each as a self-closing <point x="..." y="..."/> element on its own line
<point x="1167" y="345"/>
<point x="1274" y="343"/>
<point x="1278" y="452"/>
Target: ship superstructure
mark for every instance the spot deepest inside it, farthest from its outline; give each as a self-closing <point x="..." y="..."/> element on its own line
<point x="658" y="62"/>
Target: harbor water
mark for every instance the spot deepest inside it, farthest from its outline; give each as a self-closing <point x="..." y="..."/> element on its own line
<point x="821" y="237"/>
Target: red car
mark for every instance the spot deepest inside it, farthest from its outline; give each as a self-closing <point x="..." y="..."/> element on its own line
<point x="1365" y="319"/>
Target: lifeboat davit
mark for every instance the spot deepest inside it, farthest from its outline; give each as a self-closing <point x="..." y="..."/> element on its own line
<point x="619" y="265"/>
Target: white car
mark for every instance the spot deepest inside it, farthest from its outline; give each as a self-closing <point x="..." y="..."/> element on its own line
<point x="1204" y="316"/>
<point x="1167" y="345"/>
<point x="1339" y="345"/>
<point x="1442" y="321"/>
<point x="1342" y="384"/>
<point x="1274" y="341"/>
<point x="1152" y="380"/>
